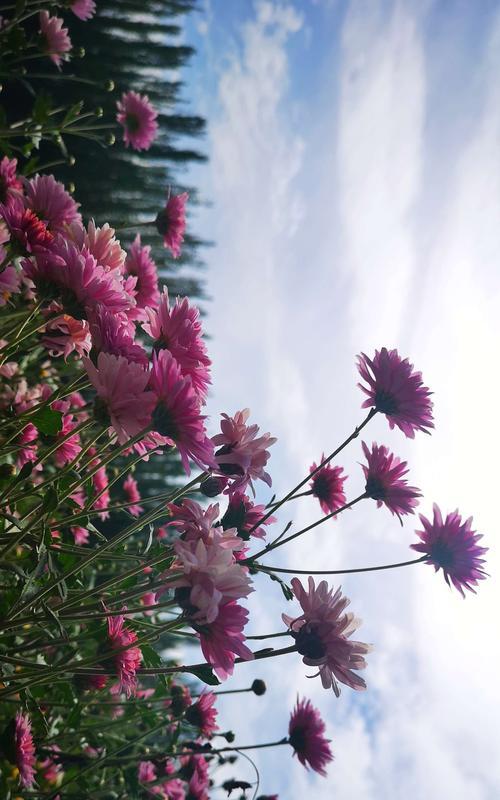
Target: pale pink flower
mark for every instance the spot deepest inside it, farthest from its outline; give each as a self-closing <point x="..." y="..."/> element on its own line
<point x="133" y="495"/>
<point x="140" y="264"/>
<point x="10" y="184"/>
<point x="306" y="735"/>
<point x="103" y="245"/>
<point x="56" y="42"/>
<point x="64" y="334"/>
<point x="113" y="333"/>
<point x="127" y="661"/>
<point x="25" y="750"/>
<point x="202" y="714"/>
<point x="223" y="639"/>
<point x="9" y="369"/>
<point x="50" y="201"/>
<point x="171" y="222"/>
<point x="138" y="119"/>
<point x="242" y="455"/>
<point x="192" y="520"/>
<point x="10" y="283"/>
<point x="83" y="9"/>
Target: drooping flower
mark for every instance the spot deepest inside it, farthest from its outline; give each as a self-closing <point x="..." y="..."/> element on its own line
<point x="133" y="495"/>
<point x="140" y="264"/>
<point x="328" y="486"/>
<point x="306" y="732"/>
<point x="112" y="333"/>
<point x="24" y="750"/>
<point x="64" y="334"/>
<point x="452" y="545"/>
<point x="223" y="639"/>
<point x="123" y="397"/>
<point x="83" y="9"/>
<point x="177" y="413"/>
<point x="171" y="222"/>
<point x="322" y="635"/>
<point x="177" y="328"/>
<point x="242" y="455"/>
<point x="385" y="481"/>
<point x="202" y="714"/>
<point x="127" y="661"/>
<point x="397" y="391"/>
<point x="138" y="118"/>
<point x="10" y="185"/>
<point x="244" y="515"/>
<point x="50" y="201"/>
<point x="10" y="283"/>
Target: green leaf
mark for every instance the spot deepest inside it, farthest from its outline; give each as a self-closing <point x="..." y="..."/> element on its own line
<point x="47" y="421"/>
<point x="50" y="501"/>
<point x="25" y="471"/>
<point x="72" y="113"/>
<point x="205" y="674"/>
<point x="150" y="656"/>
<point x="284" y="586"/>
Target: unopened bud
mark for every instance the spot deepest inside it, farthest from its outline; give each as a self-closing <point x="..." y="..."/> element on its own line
<point x="109" y="85"/>
<point x="258" y="687"/>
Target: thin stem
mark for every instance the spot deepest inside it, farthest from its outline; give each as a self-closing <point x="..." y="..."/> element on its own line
<point x="262" y="568"/>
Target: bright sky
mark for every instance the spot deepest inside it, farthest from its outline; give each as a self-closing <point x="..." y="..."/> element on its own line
<point x="355" y="178"/>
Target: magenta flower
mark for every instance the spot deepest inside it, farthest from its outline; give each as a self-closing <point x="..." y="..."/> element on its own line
<point x="306" y="735"/>
<point x="385" y="482"/>
<point x="133" y="495"/>
<point x="171" y="222"/>
<point x="123" y="400"/>
<point x="10" y="185"/>
<point x="243" y="514"/>
<point x="28" y="233"/>
<point x="177" y="413"/>
<point x="177" y="328"/>
<point x="140" y="264"/>
<point x="322" y="635"/>
<point x="50" y="201"/>
<point x="397" y="391"/>
<point x="242" y="455"/>
<point x="328" y="486"/>
<point x="146" y="772"/>
<point x="83" y="9"/>
<point x="127" y="661"/>
<point x="194" y="769"/>
<point x="452" y="545"/>
<point x="64" y="334"/>
<point x="69" y="449"/>
<point x="223" y="639"/>
<point x="113" y="333"/>
<point x="80" y="535"/>
<point x="56" y="42"/>
<point x="10" y="283"/>
<point x="100" y="484"/>
<point x="202" y="714"/>
<point x="52" y="770"/>
<point x="24" y="750"/>
<point x="138" y="118"/>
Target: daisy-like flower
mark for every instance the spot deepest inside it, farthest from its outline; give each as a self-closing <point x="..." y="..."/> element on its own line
<point x="328" y="486"/>
<point x="243" y="514"/>
<point x="69" y="449"/>
<point x="223" y="639"/>
<point x="385" y="481"/>
<point x="306" y="734"/>
<point x="140" y="264"/>
<point x="242" y="455"/>
<point x="192" y="520"/>
<point x="10" y="185"/>
<point x="80" y="535"/>
<point x="101" y="242"/>
<point x="194" y="770"/>
<point x="123" y="399"/>
<point x="177" y="328"/>
<point x="50" y="201"/>
<point x="133" y="495"/>
<point x="64" y="334"/>
<point x="397" y="391"/>
<point x="127" y="661"/>
<point x="322" y="635"/>
<point x="452" y="545"/>
<point x="10" y="283"/>
<point x="24" y="750"/>
<point x="28" y="233"/>
<point x="202" y="714"/>
<point x="171" y="222"/>
<point x="56" y="42"/>
<point x="113" y="333"/>
<point x="138" y="118"/>
<point x="177" y="413"/>
<point x="83" y="9"/>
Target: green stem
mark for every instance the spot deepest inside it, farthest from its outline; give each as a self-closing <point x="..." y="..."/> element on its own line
<point x="262" y="568"/>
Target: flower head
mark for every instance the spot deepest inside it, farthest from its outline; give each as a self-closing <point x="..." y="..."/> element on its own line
<point x="244" y="515"/>
<point x="50" y="201"/>
<point x="223" y="639"/>
<point x="306" y="735"/>
<point x="83" y="9"/>
<point x="385" y="482"/>
<point x="56" y="42"/>
<point x="171" y="222"/>
<point x="27" y="231"/>
<point x="102" y="243"/>
<point x="138" y="118"/>
<point x="24" y="750"/>
<point x="202" y="714"/>
<point x="452" y="545"/>
<point x="10" y="283"/>
<point x="127" y="661"/>
<point x="140" y="264"/>
<point x="133" y="496"/>
<point x="397" y="391"/>
<point x="10" y="185"/>
<point x="63" y="334"/>
<point x="192" y="520"/>
<point x="328" y="486"/>
<point x="242" y="455"/>
<point x="113" y="333"/>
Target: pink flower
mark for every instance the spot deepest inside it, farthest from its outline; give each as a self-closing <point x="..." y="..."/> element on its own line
<point x="306" y="735"/>
<point x="83" y="9"/>
<point x="242" y="455"/>
<point x="223" y="639"/>
<point x="177" y="413"/>
<point x="192" y="520"/>
<point x="138" y="119"/>
<point x="50" y="201"/>
<point x="140" y="264"/>
<point x="52" y="770"/>
<point x="25" y="750"/>
<point x="122" y="394"/>
<point x="322" y="634"/>
<point x="397" y="391"/>
<point x="133" y="495"/>
<point x="171" y="222"/>
<point x="80" y="535"/>
<point x="113" y="333"/>
<point x="28" y="233"/>
<point x="100" y="483"/>
<point x="10" y="283"/>
<point x="101" y="242"/>
<point x="56" y="40"/>
<point x="69" y="449"/>
<point x="64" y="334"/>
<point x="244" y="515"/>
<point x="10" y="185"/>
<point x="202" y="714"/>
<point x="178" y="329"/>
<point x="194" y="769"/>
<point x="328" y="486"/>
<point x="127" y="661"/>
<point x="452" y="545"/>
<point x="385" y="482"/>
<point x="146" y="772"/>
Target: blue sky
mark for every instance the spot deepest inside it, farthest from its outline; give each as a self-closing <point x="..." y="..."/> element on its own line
<point x="354" y="177"/>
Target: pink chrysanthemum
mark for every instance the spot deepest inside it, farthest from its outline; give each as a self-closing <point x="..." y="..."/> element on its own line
<point x="171" y="222"/>
<point x="328" y="486"/>
<point x="10" y="185"/>
<point x="56" y="42"/>
<point x="64" y="334"/>
<point x="80" y="535"/>
<point x="202" y="714"/>
<point x="100" y="484"/>
<point x="10" y="283"/>
<point x="244" y="515"/>
<point x="140" y="264"/>
<point x="192" y="520"/>
<point x="28" y="233"/>
<point x="52" y="770"/>
<point x="83" y="9"/>
<point x="306" y="735"/>
<point x="397" y="391"/>
<point x="102" y="243"/>
<point x="385" y="482"/>
<point x="50" y="201"/>
<point x="452" y="545"/>
<point x="177" y="328"/>
<point x="223" y="639"/>
<point x="146" y="772"/>
<point x="177" y="414"/>
<point x="113" y="333"/>
<point x="69" y="449"/>
<point x="322" y="634"/>
<point x="133" y="496"/>
<point x="194" y="770"/>
<point x="25" y="750"/>
<point x="138" y="119"/>
<point x="242" y="455"/>
<point x="122" y="393"/>
<point x="127" y="661"/>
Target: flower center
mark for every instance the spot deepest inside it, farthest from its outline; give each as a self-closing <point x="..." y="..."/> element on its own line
<point x="375" y="488"/>
<point x="309" y="642"/>
<point x="385" y="402"/>
<point x="298" y="739"/>
<point x="321" y="487"/>
<point x="164" y="423"/>
<point x="442" y="555"/>
<point x="132" y="122"/>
